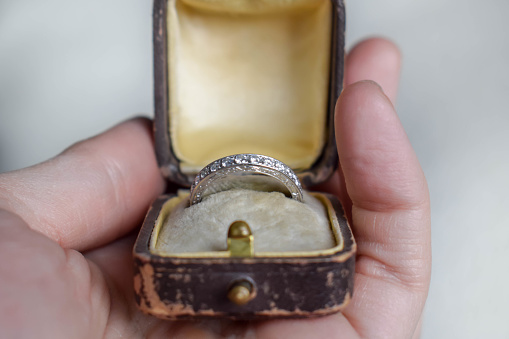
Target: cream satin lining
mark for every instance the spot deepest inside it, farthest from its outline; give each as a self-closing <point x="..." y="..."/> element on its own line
<point x="248" y="76"/>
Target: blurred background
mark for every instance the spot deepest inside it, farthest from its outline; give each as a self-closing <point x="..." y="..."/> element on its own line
<point x="71" y="69"/>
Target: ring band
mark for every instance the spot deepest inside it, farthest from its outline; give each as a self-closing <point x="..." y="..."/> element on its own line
<point x="252" y="171"/>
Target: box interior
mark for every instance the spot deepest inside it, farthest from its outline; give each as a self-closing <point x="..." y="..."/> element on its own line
<point x="282" y="239"/>
<point x="248" y="76"/>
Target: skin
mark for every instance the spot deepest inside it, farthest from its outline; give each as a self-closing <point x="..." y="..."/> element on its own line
<point x="67" y="227"/>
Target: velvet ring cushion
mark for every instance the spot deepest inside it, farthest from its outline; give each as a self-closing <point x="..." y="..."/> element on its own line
<point x="248" y="188"/>
<point x="248" y="76"/>
<point x="278" y="223"/>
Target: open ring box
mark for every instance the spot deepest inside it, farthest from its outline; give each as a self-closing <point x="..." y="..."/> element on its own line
<point x="245" y="76"/>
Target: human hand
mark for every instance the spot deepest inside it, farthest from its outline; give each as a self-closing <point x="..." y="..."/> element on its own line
<point x="66" y="229"/>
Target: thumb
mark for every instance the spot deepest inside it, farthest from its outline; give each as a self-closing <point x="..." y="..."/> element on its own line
<point x="390" y="213"/>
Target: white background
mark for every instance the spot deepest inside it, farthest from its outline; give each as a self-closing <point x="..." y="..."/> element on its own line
<point x="71" y="69"/>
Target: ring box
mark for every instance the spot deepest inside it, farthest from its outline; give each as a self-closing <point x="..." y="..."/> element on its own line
<point x="245" y="76"/>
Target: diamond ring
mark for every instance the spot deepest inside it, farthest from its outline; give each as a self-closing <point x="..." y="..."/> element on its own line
<point x="249" y="171"/>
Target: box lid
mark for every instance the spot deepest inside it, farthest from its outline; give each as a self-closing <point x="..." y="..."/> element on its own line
<point x="247" y="76"/>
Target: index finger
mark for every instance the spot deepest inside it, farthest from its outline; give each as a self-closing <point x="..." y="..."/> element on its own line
<point x="92" y="193"/>
<point x="375" y="59"/>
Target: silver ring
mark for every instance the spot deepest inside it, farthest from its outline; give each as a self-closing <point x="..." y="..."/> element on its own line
<point x="250" y="171"/>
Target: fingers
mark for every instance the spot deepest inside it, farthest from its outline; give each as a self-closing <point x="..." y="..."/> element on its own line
<point x="382" y="171"/>
<point x="92" y="193"/>
<point x="332" y="326"/>
<point x="375" y="59"/>
<point x="46" y="291"/>
<point x="390" y="212"/>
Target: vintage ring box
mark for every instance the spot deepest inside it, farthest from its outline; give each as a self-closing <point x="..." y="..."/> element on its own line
<point x="245" y="76"/>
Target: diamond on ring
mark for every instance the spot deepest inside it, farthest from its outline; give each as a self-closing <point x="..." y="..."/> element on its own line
<point x="251" y="171"/>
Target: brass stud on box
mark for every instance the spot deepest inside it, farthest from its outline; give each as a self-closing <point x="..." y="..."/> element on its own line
<point x="241" y="292"/>
<point x="240" y="240"/>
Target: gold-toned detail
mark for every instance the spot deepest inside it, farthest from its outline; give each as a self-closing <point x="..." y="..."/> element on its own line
<point x="240" y="240"/>
<point x="241" y="292"/>
<point x="334" y="223"/>
<point x="168" y="207"/>
<point x="165" y="212"/>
